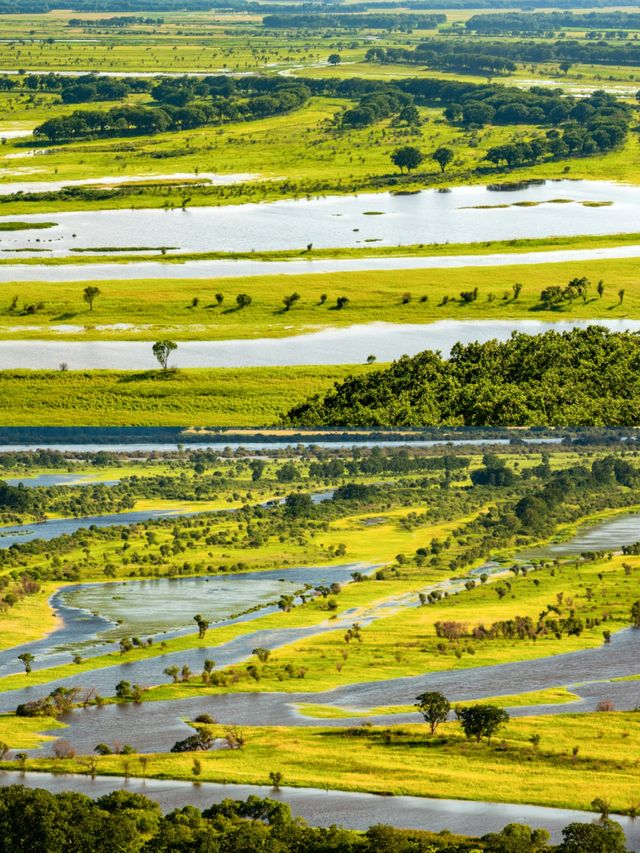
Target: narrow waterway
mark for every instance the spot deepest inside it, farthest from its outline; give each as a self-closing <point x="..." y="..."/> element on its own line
<point x="345" y="808"/>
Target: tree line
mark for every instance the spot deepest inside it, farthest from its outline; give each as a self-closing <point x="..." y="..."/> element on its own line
<point x="132" y="120"/>
<point x="353" y="21"/>
<point x="500" y="57"/>
<point x="585" y="377"/>
<point x="126" y="822"/>
<point x="515" y="23"/>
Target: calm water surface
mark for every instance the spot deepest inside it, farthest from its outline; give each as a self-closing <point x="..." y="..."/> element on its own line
<point x="324" y="808"/>
<point x="350" y="345"/>
<point x="462" y="214"/>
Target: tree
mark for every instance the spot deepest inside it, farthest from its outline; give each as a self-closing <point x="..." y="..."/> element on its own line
<point x="334" y="59"/>
<point x="443" y="156"/>
<point x="480" y="721"/>
<point x="162" y="350"/>
<point x="27" y="659"/>
<point x="90" y="294"/>
<point x="600" y="288"/>
<point x="434" y="707"/>
<point x="243" y="300"/>
<point x="621" y="296"/>
<point x="635" y="614"/>
<point x="290" y="301"/>
<point x="517" y="289"/>
<point x="202" y="624"/>
<point x="342" y="302"/>
<point x="408" y="157"/>
<point x="263" y="655"/>
<point x="606" y="837"/>
<point x="516" y="838"/>
<point x="173" y="672"/>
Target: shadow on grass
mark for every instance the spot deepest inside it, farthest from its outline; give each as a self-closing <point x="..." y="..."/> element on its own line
<point x="152" y="376"/>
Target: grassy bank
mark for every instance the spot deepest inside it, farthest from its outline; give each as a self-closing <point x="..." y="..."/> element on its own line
<point x="224" y="397"/>
<point x="188" y="310"/>
<point x="406" y="761"/>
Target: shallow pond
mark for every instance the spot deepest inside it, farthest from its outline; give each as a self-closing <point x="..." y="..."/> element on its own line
<point x="462" y="214"/>
<point x="324" y="808"/>
<point x="137" y="270"/>
<point x="350" y="345"/>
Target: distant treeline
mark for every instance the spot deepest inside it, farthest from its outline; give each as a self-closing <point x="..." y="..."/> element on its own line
<point x="586" y="377"/>
<point x="15" y="7"/>
<point x="350" y="21"/>
<point x="500" y="57"/>
<point x="121" y="21"/>
<point x="545" y="22"/>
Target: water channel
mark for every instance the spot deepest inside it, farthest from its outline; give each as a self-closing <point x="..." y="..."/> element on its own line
<point x="350" y="345"/>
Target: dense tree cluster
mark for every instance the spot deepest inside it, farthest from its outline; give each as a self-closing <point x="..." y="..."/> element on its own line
<point x="584" y="377"/>
<point x="125" y="822"/>
<point x="351" y="21"/>
<point x="541" y="23"/>
<point x="117" y="21"/>
<point x="184" y="103"/>
<point x="500" y="57"/>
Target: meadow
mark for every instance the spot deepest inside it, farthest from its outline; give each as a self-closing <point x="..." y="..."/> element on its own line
<point x="188" y="309"/>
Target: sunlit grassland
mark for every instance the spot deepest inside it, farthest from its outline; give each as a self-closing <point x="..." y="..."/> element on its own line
<point x="224" y="397"/>
<point x="404" y="643"/>
<point x="362" y="547"/>
<point x="550" y="696"/>
<point x="510" y="769"/>
<point x="158" y="308"/>
<point x="29" y="619"/>
<point x="24" y="732"/>
<point x="300" y="154"/>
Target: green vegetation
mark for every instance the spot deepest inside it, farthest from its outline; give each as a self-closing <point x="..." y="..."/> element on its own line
<point x="583" y="378"/>
<point x="183" y="309"/>
<point x="234" y="396"/>
<point x="130" y="823"/>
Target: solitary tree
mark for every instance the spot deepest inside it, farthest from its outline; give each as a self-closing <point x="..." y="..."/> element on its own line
<point x="27" y="659"/>
<point x="243" y="300"/>
<point x="334" y="59"/>
<point x="162" y="350"/>
<point x="408" y="157"/>
<point x="90" y="294"/>
<point x="290" y="301"/>
<point x="600" y="288"/>
<point x="443" y="156"/>
<point x="635" y="615"/>
<point x="621" y="296"/>
<point x="480" y="721"/>
<point x="202" y="624"/>
<point x="434" y="707"/>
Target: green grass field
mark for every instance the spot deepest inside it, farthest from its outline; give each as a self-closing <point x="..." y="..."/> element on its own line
<point x="164" y="308"/>
<point x="406" y="761"/>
